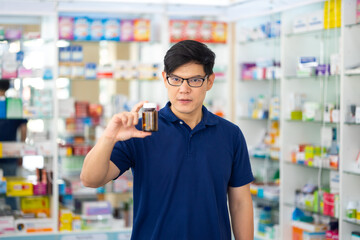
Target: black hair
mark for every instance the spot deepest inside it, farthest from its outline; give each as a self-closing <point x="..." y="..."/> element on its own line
<point x="4" y="84"/>
<point x="189" y="51"/>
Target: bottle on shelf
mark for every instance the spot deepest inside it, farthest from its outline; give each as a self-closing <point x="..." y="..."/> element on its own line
<point x="333" y="150"/>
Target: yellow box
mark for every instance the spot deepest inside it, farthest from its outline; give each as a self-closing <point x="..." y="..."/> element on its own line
<point x="17" y="187"/>
<point x="65" y="227"/>
<point x="35" y="205"/>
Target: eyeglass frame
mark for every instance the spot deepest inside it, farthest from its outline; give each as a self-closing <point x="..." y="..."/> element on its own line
<point x="187" y="80"/>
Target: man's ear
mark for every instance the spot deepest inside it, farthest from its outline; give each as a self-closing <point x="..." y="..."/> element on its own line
<point x="164" y="78"/>
<point x="210" y="81"/>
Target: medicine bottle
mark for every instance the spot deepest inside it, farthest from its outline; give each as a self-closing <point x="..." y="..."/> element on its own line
<point x="149" y="118"/>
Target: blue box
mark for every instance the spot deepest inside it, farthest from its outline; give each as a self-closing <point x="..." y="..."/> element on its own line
<point x="3" y="108"/>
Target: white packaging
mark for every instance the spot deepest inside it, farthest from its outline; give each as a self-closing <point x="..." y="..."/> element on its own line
<point x="34" y="225"/>
<point x="67" y="107"/>
<point x="315" y="20"/>
<point x="334" y="182"/>
<point x="300" y="24"/>
<point x="357" y="115"/>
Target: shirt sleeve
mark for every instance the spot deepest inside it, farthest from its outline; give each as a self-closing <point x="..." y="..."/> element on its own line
<point x="241" y="173"/>
<point x="122" y="156"/>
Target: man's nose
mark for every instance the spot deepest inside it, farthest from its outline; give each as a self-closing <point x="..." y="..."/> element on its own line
<point x="184" y="87"/>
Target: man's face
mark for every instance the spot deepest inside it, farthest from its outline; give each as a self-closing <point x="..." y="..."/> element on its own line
<point x="2" y="92"/>
<point x="186" y="100"/>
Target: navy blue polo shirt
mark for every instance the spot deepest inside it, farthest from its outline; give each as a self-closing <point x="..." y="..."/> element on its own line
<point x="181" y="177"/>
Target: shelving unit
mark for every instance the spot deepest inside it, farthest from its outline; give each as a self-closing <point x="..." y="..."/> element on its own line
<point x="321" y="89"/>
<point x="255" y="87"/>
<point x="349" y="138"/>
<point x="39" y="53"/>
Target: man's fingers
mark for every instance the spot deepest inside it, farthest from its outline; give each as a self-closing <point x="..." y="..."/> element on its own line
<point x="136" y="118"/>
<point x="138" y="106"/>
<point x="141" y="134"/>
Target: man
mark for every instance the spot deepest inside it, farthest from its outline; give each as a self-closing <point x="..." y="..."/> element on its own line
<point x="184" y="172"/>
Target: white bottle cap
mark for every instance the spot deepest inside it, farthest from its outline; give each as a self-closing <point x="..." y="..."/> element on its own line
<point x="149" y="105"/>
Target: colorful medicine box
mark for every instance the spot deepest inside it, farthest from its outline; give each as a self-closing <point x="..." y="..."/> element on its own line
<point x="35" y="205"/>
<point x="18" y="188"/>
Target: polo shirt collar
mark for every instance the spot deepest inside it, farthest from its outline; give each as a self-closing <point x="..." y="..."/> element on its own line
<point x="208" y="118"/>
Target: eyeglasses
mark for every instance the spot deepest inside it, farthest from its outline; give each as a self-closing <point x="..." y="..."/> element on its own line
<point x="192" y="82"/>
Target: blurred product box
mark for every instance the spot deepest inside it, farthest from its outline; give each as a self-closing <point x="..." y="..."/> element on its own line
<point x="67" y="108"/>
<point x="14" y="108"/>
<point x="37" y="205"/>
<point x="40" y="225"/>
<point x="7" y="224"/>
<point x="40" y="189"/>
<point x="81" y="109"/>
<point x="2" y="107"/>
<point x="18" y="187"/>
<point x="95" y="110"/>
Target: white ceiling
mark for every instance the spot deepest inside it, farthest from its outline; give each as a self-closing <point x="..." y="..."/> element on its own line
<point x="226" y="10"/>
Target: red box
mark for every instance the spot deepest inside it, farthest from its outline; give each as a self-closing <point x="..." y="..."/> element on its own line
<point x="329" y="203"/>
<point x="81" y="109"/>
<point x="95" y="110"/>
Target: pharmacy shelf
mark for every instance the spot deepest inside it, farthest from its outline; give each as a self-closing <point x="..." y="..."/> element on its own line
<point x="263" y="158"/>
<point x="273" y="40"/>
<point x="308" y="211"/>
<point x="355" y="222"/>
<point x="352" y="124"/>
<point x="313" y="122"/>
<point x="349" y="74"/>
<point x="352" y="173"/>
<point x="314" y="167"/>
<point x="322" y="32"/>
<point x="259" y="80"/>
<point x="352" y="25"/>
<point x="265" y="201"/>
<point x="30" y="118"/>
<point x="317" y="77"/>
<point x="253" y="119"/>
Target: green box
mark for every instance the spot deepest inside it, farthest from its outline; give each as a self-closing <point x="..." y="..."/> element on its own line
<point x="14" y="108"/>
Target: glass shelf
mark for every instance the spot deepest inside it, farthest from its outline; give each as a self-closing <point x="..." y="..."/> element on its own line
<point x="265" y="201"/>
<point x="324" y="32"/>
<point x="29" y="118"/>
<point x="314" y="122"/>
<point x="112" y="79"/>
<point x="264" y="158"/>
<point x="352" y="123"/>
<point x="352" y="25"/>
<point x="263" y="40"/>
<point x="250" y="118"/>
<point x="308" y="211"/>
<point x="314" y="167"/>
<point x="330" y="77"/>
<point x="258" y="80"/>
<point x="352" y="222"/>
<point x="352" y="74"/>
<point x="352" y="172"/>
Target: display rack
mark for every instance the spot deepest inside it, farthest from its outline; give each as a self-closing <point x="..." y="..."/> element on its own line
<point x="35" y="86"/>
<point x="257" y="83"/>
<point x="349" y="136"/>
